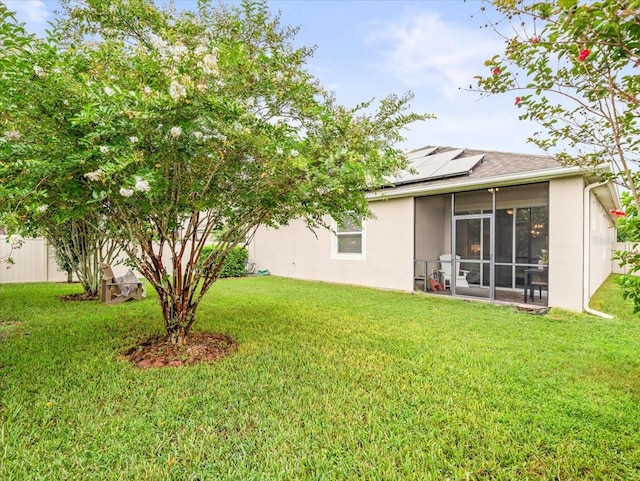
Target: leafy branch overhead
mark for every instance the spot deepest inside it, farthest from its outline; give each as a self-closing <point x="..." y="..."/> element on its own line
<point x="175" y="125"/>
<point x="573" y="68"/>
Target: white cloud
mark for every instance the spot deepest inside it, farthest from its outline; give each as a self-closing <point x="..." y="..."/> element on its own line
<point x="436" y="58"/>
<point x="422" y="49"/>
<point x="34" y="13"/>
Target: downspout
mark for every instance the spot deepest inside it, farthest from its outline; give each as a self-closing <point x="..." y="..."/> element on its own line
<point x="586" y="275"/>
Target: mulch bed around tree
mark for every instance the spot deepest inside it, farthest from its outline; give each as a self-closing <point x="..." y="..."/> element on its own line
<point x="201" y="347"/>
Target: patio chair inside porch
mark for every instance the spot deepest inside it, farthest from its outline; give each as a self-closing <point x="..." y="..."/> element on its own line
<point x="446" y="265"/>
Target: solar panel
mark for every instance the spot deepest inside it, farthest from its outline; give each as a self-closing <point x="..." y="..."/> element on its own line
<point x="429" y="165"/>
<point x="416" y="154"/>
<point x="458" y="166"/>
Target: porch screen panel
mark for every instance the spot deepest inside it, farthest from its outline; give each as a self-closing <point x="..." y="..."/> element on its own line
<point x="504" y="235"/>
<point x="531" y="234"/>
<point x="474" y="202"/>
<point x="522" y="219"/>
<point x="432" y="233"/>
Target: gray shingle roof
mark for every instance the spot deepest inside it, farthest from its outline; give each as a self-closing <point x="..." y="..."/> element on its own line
<point x="493" y="164"/>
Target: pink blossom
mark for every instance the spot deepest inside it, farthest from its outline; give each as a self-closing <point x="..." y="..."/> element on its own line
<point x="618" y="213"/>
<point x="517" y="101"/>
<point x="582" y="56"/>
<point x="496" y="71"/>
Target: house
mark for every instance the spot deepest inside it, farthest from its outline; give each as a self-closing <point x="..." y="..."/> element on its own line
<point x="511" y="220"/>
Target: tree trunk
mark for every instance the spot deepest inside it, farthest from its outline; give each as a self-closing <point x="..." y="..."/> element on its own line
<point x="177" y="335"/>
<point x="179" y="312"/>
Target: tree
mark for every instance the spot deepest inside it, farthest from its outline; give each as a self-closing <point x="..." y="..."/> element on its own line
<point x="81" y="246"/>
<point x="574" y="68"/>
<point x="174" y="126"/>
<point x="37" y="200"/>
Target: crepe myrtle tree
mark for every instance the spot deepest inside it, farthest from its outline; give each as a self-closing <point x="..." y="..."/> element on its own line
<point x="187" y="123"/>
<point x="628" y="224"/>
<point x="572" y="66"/>
<point x="40" y="192"/>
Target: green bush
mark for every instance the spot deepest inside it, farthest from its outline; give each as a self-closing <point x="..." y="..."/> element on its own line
<point x="235" y="263"/>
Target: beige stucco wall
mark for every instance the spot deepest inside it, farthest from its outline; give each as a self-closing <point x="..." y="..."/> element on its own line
<point x="294" y="251"/>
<point x="602" y="239"/>
<point x="565" y="243"/>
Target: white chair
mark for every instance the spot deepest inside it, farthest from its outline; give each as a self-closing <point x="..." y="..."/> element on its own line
<point x="445" y="270"/>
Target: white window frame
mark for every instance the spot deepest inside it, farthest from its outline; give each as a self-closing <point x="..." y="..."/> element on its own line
<point x="361" y="256"/>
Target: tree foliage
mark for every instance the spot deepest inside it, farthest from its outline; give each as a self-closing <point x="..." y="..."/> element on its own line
<point x="575" y="64"/>
<point x="573" y="68"/>
<point x="174" y="125"/>
<point x="41" y="195"/>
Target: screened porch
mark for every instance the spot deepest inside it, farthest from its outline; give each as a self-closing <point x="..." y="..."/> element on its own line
<point x="490" y="243"/>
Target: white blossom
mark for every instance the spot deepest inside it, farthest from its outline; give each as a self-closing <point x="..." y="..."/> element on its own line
<point x="250" y="102"/>
<point x="109" y="91"/>
<point x="159" y="45"/>
<point x="197" y="134"/>
<point x="176" y="132"/>
<point x="133" y="139"/>
<point x="200" y="50"/>
<point x="176" y="90"/>
<point x="12" y="135"/>
<point x="293" y="153"/>
<point x="16" y="240"/>
<point x="104" y="149"/>
<point x="279" y="151"/>
<point x="202" y="87"/>
<point x="126" y="192"/>
<point x="142" y="185"/>
<point x="95" y="175"/>
<point x="147" y="90"/>
<point x="42" y="208"/>
<point x="39" y="71"/>
<point x="210" y="63"/>
<point x="178" y="51"/>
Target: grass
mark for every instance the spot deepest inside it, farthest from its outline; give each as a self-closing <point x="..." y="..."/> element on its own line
<point x="330" y="382"/>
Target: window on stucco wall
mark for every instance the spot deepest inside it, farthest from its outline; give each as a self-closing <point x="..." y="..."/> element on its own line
<point x="349" y="239"/>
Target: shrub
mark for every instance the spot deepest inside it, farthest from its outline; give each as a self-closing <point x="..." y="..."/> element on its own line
<point x="235" y="263"/>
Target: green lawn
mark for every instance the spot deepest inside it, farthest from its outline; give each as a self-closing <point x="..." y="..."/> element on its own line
<point x="329" y="382"/>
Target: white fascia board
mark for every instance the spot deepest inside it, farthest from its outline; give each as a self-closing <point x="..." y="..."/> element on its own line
<point x="496" y="181"/>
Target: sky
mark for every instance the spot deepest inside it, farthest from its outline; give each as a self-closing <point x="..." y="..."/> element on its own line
<point x="372" y="48"/>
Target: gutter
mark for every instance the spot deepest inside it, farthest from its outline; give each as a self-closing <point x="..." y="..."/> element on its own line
<point x="586" y="221"/>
